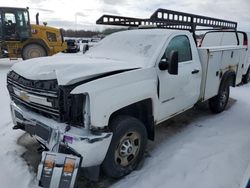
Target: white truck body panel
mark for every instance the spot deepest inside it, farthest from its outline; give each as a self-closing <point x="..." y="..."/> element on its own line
<point x="215" y="62"/>
<point x="219" y="39"/>
<point x="132" y="87"/>
<point x="229" y="38"/>
<point x="247" y="64"/>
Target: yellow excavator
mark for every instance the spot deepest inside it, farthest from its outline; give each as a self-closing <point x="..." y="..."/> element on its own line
<point x="20" y="39"/>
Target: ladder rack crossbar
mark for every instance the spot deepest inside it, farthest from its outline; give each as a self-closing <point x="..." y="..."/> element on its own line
<point x="136" y="22"/>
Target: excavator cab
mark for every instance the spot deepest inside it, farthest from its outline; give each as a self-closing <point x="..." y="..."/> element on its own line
<point x="20" y="39"/>
<point x="14" y="24"/>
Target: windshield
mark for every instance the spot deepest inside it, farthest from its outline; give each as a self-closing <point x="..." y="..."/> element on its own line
<point x="135" y="45"/>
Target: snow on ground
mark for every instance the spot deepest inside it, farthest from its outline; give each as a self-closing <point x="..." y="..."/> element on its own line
<point x="14" y="170"/>
<point x="210" y="151"/>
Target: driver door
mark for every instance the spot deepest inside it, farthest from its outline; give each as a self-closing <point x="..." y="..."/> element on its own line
<point x="179" y="92"/>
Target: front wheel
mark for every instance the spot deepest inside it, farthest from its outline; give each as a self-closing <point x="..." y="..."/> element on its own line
<point x="218" y="103"/>
<point x="127" y="146"/>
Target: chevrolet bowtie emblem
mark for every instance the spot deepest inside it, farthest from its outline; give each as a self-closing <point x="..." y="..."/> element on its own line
<point x="24" y="96"/>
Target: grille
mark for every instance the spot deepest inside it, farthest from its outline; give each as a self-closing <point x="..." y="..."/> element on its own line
<point x="42" y="93"/>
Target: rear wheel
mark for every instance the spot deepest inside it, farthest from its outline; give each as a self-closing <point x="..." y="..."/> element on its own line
<point x="127" y="146"/>
<point x="218" y="103"/>
<point x="32" y="51"/>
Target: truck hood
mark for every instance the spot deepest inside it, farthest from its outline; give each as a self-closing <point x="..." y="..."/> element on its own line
<point x="70" y="69"/>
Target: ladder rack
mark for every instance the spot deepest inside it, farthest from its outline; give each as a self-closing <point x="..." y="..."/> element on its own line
<point x="163" y="18"/>
<point x="136" y="22"/>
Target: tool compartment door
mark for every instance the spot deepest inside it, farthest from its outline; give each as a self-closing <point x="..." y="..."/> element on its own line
<point x="242" y="63"/>
<point x="212" y="78"/>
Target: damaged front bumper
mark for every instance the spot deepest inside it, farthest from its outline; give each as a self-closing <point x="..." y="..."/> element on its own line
<point x="90" y="147"/>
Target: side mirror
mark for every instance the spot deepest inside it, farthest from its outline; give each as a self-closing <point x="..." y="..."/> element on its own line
<point x="171" y="65"/>
<point x="163" y="65"/>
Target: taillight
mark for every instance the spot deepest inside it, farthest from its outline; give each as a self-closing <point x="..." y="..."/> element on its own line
<point x="245" y="43"/>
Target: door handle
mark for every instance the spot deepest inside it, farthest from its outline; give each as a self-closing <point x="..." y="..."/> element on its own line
<point x="195" y="71"/>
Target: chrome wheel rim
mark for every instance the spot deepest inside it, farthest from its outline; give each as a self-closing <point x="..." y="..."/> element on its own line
<point x="127" y="149"/>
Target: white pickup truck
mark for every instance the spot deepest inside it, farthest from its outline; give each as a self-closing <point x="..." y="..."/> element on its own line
<point x="99" y="109"/>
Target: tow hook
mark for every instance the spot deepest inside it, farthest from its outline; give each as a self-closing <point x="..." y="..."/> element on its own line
<point x="18" y="126"/>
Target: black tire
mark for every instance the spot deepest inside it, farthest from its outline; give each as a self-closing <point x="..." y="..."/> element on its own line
<point x="33" y="51"/>
<point x="246" y="77"/>
<point x="218" y="103"/>
<point x="127" y="146"/>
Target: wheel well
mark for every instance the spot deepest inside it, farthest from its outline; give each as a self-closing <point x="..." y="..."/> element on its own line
<point x="248" y="69"/>
<point x="229" y="76"/>
<point x="143" y="111"/>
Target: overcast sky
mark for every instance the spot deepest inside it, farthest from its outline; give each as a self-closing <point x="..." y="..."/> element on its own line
<point x="66" y="13"/>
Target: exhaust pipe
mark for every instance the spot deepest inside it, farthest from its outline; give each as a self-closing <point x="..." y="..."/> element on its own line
<point x="37" y="18"/>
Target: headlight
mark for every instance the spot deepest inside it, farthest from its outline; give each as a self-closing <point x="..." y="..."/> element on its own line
<point x="86" y="112"/>
<point x="78" y="110"/>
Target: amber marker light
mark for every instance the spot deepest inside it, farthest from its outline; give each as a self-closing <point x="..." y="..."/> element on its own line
<point x="69" y="166"/>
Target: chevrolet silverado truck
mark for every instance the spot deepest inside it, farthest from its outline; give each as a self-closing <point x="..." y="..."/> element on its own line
<point x="97" y="111"/>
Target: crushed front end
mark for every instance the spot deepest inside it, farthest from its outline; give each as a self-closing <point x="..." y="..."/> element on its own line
<point x="60" y="123"/>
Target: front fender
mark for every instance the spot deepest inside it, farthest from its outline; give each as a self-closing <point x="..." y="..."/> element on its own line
<point x="109" y="94"/>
